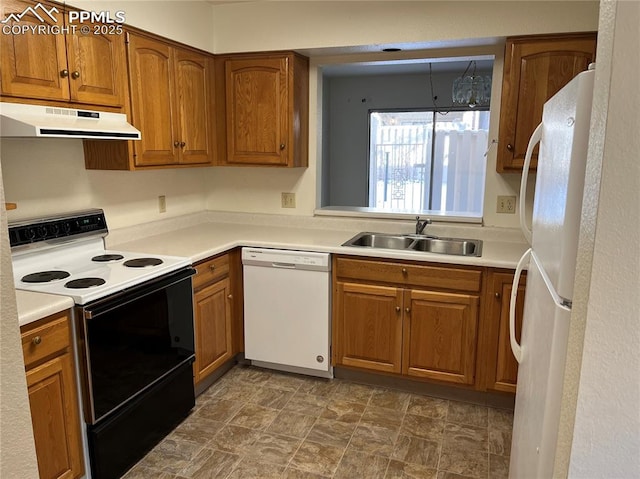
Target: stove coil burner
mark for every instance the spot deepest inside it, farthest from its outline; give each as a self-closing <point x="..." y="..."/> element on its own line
<point x="107" y="258"/>
<point x="142" y="262"/>
<point x="83" y="283"/>
<point x="45" y="276"/>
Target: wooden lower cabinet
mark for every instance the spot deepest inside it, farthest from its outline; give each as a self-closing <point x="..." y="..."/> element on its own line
<point x="404" y="329"/>
<point x="368" y="327"/>
<point x="440" y="336"/>
<point x="218" y="313"/>
<point x="213" y="328"/>
<point x="53" y="397"/>
<point x="499" y="364"/>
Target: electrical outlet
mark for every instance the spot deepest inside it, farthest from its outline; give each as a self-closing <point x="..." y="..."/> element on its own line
<point x="506" y="204"/>
<point x="288" y="200"/>
<point x="162" y="204"/>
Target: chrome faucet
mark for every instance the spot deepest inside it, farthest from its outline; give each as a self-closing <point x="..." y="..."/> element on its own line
<point x="421" y="225"/>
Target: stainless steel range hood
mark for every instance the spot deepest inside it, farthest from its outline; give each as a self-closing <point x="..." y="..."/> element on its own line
<point x="34" y="121"/>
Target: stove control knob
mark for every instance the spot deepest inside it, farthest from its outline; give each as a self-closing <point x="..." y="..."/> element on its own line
<point x="41" y="232"/>
<point x="52" y="229"/>
<point x="31" y="233"/>
<point x="66" y="227"/>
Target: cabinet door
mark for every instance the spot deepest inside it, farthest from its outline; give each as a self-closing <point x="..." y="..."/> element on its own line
<point x="440" y="336"/>
<point x="503" y="367"/>
<point x="368" y="322"/>
<point x="97" y="68"/>
<point x="192" y="79"/>
<point x="33" y="65"/>
<point x="151" y="78"/>
<point x="535" y="69"/>
<point x="213" y="328"/>
<point x="55" y="418"/>
<point x="257" y="100"/>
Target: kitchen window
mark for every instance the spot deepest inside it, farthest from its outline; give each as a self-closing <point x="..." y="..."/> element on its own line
<point x="426" y="160"/>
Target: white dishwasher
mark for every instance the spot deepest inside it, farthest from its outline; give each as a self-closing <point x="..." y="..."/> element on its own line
<point x="287" y="310"/>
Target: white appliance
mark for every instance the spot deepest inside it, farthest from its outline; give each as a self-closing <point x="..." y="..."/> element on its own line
<point x="18" y="120"/>
<point x="563" y="136"/>
<point x="287" y="310"/>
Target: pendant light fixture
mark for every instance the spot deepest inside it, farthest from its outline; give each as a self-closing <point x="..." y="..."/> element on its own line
<point x="471" y="90"/>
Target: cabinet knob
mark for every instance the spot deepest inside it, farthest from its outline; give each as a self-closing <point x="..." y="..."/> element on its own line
<point x="182" y="144"/>
<point x="176" y="144"/>
<point x="407" y="310"/>
<point x="64" y="73"/>
<point x="404" y="270"/>
<point x="397" y="309"/>
<point x="37" y="340"/>
<point x="212" y="267"/>
<point x="510" y="147"/>
<point x="282" y="146"/>
<point x="75" y="75"/>
<point x="498" y="295"/>
<point x="230" y="296"/>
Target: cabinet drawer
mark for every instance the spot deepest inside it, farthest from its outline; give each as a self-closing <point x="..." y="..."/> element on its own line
<point x="409" y="274"/>
<point x="211" y="270"/>
<point x="45" y="338"/>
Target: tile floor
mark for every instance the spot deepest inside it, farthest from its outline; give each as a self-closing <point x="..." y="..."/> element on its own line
<point x="256" y="423"/>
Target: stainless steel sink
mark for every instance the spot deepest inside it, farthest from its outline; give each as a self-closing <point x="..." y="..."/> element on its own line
<point x="380" y="240"/>
<point x="455" y="246"/>
<point x="426" y="244"/>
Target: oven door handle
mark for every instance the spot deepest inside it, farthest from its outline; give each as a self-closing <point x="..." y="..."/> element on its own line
<point x="135" y="293"/>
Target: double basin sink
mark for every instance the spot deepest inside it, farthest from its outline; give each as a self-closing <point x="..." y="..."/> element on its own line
<point x="421" y="243"/>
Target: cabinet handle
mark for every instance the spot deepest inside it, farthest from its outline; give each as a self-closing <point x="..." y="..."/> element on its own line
<point x="498" y="296"/>
<point x="75" y="75"/>
<point x="37" y="340"/>
<point x="510" y="147"/>
<point x="282" y="145"/>
<point x="176" y="144"/>
<point x="397" y="309"/>
<point x="407" y="310"/>
<point x="64" y="73"/>
<point x="182" y="144"/>
<point x="230" y="296"/>
<point x="212" y="267"/>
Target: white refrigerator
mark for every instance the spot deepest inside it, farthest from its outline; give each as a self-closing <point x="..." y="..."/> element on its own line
<point x="563" y="136"/>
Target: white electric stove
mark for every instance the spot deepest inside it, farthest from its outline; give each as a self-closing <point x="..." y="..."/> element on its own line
<point x="57" y="255"/>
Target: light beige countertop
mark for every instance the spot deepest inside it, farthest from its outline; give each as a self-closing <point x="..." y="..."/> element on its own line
<point x="201" y="235"/>
<point x="201" y="241"/>
<point x="35" y="306"/>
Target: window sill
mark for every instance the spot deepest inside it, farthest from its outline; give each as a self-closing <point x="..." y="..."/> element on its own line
<point x="371" y="213"/>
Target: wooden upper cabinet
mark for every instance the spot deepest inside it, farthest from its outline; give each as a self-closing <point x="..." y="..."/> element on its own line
<point x="171" y="103"/>
<point x="33" y="65"/>
<point x="152" y="104"/>
<point x="535" y="68"/>
<point x="266" y="99"/>
<point x="89" y="69"/>
<point x="97" y="68"/>
<point x="194" y="104"/>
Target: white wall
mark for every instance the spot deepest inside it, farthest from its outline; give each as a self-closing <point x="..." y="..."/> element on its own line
<point x="606" y="436"/>
<point x="46" y="176"/>
<point x="189" y="22"/>
<point x="282" y="25"/>
<point x="17" y="449"/>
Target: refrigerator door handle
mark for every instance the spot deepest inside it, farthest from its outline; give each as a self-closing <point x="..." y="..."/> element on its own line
<point x="536" y="136"/>
<point x="515" y="347"/>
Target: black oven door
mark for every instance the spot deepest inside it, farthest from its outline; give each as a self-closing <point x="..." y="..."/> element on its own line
<point x="133" y="339"/>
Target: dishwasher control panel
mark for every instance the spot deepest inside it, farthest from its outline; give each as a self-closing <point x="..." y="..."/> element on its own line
<point x="286" y="259"/>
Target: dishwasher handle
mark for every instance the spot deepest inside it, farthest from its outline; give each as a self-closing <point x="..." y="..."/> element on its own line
<point x="283" y="265"/>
